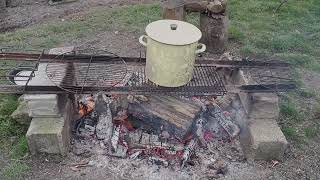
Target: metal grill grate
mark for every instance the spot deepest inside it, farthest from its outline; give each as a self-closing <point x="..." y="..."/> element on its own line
<point x="99" y="70"/>
<point x="205" y="81"/>
<point x="78" y="77"/>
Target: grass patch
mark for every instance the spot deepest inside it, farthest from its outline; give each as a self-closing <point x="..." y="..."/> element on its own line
<point x="289" y="132"/>
<point x="130" y="19"/>
<point x="289" y="110"/>
<point x="15" y="170"/>
<point x="308" y="93"/>
<point x="19" y="149"/>
<point x="254" y="24"/>
<point x="292" y="134"/>
<point x="9" y="129"/>
<point x="311" y="132"/>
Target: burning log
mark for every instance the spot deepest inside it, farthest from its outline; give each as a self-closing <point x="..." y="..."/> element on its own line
<point x="104" y="127"/>
<point x="168" y="111"/>
<point x="224" y="120"/>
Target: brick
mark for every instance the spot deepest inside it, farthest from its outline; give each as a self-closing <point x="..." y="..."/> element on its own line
<point x="48" y="135"/>
<point x="264" y="106"/>
<point x="267" y="141"/>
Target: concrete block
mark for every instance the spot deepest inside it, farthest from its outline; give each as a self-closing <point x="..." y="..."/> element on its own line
<point x="48" y="135"/>
<point x="21" y="114"/>
<point x="40" y="77"/>
<point x="238" y="78"/>
<point x="40" y="97"/>
<point x="62" y="50"/>
<point x="52" y="134"/>
<point x="264" y="106"/>
<point x="44" y="105"/>
<point x="267" y="141"/>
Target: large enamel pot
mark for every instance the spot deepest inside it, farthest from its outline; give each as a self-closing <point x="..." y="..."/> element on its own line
<point x="171" y="50"/>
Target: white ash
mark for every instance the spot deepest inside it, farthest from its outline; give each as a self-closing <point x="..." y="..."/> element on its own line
<point x="196" y="167"/>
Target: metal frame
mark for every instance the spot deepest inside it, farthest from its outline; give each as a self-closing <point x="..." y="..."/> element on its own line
<point x="206" y="79"/>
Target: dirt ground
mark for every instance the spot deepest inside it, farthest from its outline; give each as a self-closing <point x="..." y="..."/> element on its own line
<point x="28" y="12"/>
<point x="301" y="162"/>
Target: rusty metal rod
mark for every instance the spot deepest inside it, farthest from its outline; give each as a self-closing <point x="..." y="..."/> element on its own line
<point x="53" y="58"/>
<point x="261" y="88"/>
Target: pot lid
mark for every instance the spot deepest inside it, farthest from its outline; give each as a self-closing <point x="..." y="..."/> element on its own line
<point x="173" y="32"/>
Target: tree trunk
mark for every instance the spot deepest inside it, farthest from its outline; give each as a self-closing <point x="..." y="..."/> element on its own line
<point x="214" y="30"/>
<point x="174" y="9"/>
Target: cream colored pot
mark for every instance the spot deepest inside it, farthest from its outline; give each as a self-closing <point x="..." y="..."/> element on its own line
<point x="171" y="50"/>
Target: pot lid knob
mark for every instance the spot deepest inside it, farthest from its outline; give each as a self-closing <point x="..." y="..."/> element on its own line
<point x="173" y="26"/>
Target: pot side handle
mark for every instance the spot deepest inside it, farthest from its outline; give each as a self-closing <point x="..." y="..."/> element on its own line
<point x="142" y="41"/>
<point x="202" y="49"/>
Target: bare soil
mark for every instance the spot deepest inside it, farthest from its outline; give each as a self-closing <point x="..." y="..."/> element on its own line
<point x="301" y="162"/>
<point x="28" y="12"/>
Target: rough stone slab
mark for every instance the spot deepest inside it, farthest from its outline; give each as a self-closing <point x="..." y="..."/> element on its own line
<point x="267" y="141"/>
<point x="43" y="109"/>
<point x="41" y="97"/>
<point x="62" y="50"/>
<point x="238" y="78"/>
<point x="48" y="135"/>
<point x="45" y="105"/>
<point x="264" y="106"/>
<point x="21" y="114"/>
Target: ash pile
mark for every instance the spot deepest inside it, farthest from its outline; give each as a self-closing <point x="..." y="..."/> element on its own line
<point x="166" y="131"/>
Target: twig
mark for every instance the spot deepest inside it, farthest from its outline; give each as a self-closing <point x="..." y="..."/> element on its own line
<point x="280" y="5"/>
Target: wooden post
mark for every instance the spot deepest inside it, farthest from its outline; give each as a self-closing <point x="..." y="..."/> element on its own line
<point x="214" y="28"/>
<point x="174" y="9"/>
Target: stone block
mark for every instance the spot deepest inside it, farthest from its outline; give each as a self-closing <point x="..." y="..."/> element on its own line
<point x="21" y="114"/>
<point x="267" y="141"/>
<point x="264" y="106"/>
<point x="46" y="105"/>
<point x="62" y="50"/>
<point x="48" y="135"/>
<point x="52" y="134"/>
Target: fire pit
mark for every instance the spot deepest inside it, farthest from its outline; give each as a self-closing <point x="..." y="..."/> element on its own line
<point x="194" y="128"/>
<point x="162" y="130"/>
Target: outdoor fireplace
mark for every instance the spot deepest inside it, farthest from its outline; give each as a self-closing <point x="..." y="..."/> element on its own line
<point x="131" y="120"/>
<point x="163" y="129"/>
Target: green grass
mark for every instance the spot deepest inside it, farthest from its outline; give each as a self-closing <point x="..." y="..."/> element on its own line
<point x="311" y="132"/>
<point x="8" y="129"/>
<point x="19" y="149"/>
<point x="292" y="134"/>
<point x="15" y="170"/>
<point x="130" y="19"/>
<point x="292" y="34"/>
<point x="289" y="132"/>
<point x="289" y="110"/>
